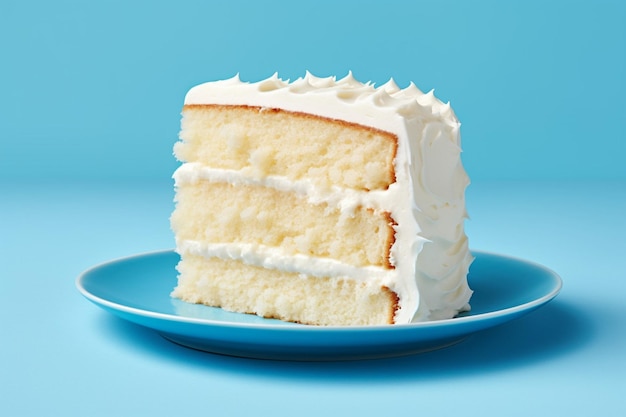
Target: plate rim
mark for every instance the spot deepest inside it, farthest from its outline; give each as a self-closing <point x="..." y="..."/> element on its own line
<point x="557" y="285"/>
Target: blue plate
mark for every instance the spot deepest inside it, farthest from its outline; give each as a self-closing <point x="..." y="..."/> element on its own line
<point x="137" y="289"/>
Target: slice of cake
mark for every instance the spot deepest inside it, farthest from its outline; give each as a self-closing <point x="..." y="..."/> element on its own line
<point x="321" y="202"/>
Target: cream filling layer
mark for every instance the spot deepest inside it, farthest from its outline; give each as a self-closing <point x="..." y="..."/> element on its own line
<point x="275" y="258"/>
<point x="346" y="200"/>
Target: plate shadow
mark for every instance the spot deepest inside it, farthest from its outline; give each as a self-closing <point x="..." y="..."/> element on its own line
<point x="554" y="330"/>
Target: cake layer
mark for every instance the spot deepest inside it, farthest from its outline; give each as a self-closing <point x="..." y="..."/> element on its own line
<point x="217" y="212"/>
<point x="267" y="141"/>
<point x="236" y="286"/>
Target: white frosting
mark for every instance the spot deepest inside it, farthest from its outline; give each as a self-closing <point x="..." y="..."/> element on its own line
<point x="275" y="258"/>
<point x="430" y="252"/>
<point x="345" y="199"/>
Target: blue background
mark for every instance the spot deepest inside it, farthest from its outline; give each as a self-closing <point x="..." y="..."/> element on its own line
<point x="94" y="89"/>
<point x="90" y="100"/>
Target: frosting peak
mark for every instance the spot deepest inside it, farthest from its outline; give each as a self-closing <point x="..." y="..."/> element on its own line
<point x="389" y="97"/>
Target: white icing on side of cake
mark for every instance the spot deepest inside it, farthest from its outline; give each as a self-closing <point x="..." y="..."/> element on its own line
<point x="430" y="252"/>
